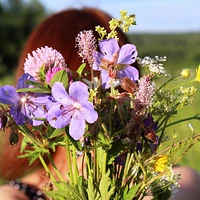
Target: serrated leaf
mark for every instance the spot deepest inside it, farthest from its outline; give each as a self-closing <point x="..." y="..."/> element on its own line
<point x="130" y="194"/>
<point x="105" y="188"/>
<point x="60" y="76"/>
<point x="93" y="194"/>
<point x="23" y="144"/>
<point x="65" y="192"/>
<point x="32" y="155"/>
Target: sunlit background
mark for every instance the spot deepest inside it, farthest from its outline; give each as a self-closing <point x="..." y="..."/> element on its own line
<point x="164" y="27"/>
<point x="152" y="15"/>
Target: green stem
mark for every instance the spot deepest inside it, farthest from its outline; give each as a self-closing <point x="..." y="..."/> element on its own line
<point x="183" y="120"/>
<point x="55" y="168"/>
<point x="104" y="163"/>
<point x="69" y="160"/>
<point x="165" y="83"/>
<point x="163" y="130"/>
<point x="75" y="166"/>
<point x="125" y="170"/>
<point x="144" y="173"/>
<point x="190" y="81"/>
<point x="120" y="114"/>
<point x="46" y="168"/>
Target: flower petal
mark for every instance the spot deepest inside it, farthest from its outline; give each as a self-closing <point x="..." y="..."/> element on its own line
<point x="88" y="112"/>
<point x="19" y="117"/>
<point x="59" y="93"/>
<point x="77" y="126"/>
<point x="22" y="81"/>
<point x="105" y="79"/>
<point x="8" y="95"/>
<point x="78" y="91"/>
<point x="129" y="72"/>
<point x="57" y="118"/>
<point x="108" y="48"/>
<point x="127" y="54"/>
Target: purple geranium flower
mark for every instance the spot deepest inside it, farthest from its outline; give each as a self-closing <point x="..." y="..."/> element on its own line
<point x="73" y="108"/>
<point x="114" y="62"/>
<point x="24" y="106"/>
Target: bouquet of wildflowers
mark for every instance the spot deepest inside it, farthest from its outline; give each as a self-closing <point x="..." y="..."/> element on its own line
<point x="115" y="121"/>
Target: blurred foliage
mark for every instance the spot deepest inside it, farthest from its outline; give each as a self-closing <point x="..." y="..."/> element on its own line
<point x="182" y="50"/>
<point x="17" y="19"/>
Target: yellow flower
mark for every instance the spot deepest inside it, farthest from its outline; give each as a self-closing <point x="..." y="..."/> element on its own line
<point x="198" y="74"/>
<point x="185" y="73"/>
<point x="161" y="163"/>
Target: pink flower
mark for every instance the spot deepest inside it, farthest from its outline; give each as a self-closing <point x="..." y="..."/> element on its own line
<point x="86" y="43"/>
<point x="144" y="95"/>
<point x="46" y="57"/>
<point x="52" y="71"/>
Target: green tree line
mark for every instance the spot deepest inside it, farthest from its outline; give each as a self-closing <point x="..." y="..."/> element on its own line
<point x="17" y="20"/>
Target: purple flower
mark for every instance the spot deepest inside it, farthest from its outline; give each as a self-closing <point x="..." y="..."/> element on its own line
<point x="24" y="106"/>
<point x="114" y="62"/>
<point x="73" y="108"/>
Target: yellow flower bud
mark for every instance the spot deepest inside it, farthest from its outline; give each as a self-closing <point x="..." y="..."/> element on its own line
<point x="185" y="73"/>
<point x="161" y="163"/>
<point x="198" y="74"/>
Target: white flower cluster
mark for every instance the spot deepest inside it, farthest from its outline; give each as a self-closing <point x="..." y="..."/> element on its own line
<point x="155" y="66"/>
<point x="186" y="95"/>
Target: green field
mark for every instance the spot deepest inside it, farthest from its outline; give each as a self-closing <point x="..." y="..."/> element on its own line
<point x="182" y="51"/>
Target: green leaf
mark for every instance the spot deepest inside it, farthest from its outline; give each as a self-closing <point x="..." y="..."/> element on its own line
<point x="38" y="88"/>
<point x="80" y="69"/>
<point x="130" y="194"/>
<point x="93" y="194"/>
<point x="65" y="191"/>
<point x="24" y="144"/>
<point x="32" y="155"/>
<point x="105" y="188"/>
<point x="35" y="90"/>
<point x="57" y="132"/>
<point x="59" y="140"/>
<point x="76" y="143"/>
<point x="60" y="76"/>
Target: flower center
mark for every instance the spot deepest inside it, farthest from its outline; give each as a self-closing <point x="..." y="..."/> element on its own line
<point x="77" y="105"/>
<point x="23" y="99"/>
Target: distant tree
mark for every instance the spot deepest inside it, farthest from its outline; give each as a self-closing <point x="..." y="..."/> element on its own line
<point x="17" y="20"/>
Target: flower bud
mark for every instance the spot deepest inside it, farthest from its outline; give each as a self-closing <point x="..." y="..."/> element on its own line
<point x="198" y="74"/>
<point x="185" y="73"/>
<point x="128" y="85"/>
<point x="13" y="139"/>
<point x="3" y="120"/>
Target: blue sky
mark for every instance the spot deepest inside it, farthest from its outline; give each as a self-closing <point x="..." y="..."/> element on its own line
<point x="151" y="15"/>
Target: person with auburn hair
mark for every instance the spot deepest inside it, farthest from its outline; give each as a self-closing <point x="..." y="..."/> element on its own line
<point x="59" y="32"/>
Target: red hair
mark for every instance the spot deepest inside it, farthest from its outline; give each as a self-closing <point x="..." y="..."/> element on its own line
<point x="59" y="32"/>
